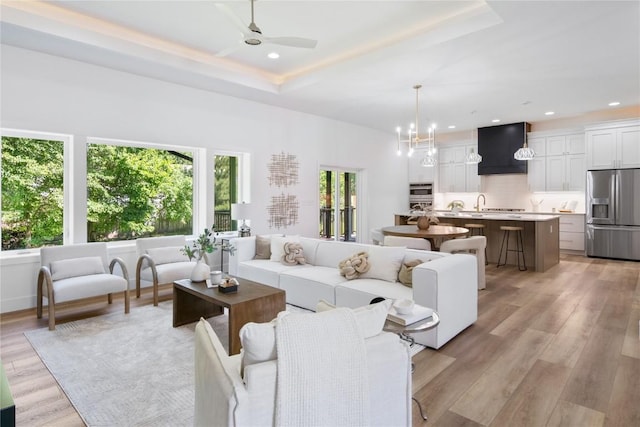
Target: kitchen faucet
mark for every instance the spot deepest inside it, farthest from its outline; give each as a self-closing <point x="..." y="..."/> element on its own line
<point x="484" y="200"/>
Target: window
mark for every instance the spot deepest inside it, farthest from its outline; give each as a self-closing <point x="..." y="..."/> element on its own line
<point x="226" y="191"/>
<point x="338" y="189"/>
<point x="32" y="192"/>
<point x="138" y="192"/>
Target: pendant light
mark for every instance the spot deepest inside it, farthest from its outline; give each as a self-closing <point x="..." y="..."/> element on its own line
<point x="524" y="152"/>
<point x="414" y="140"/>
<point x="473" y="158"/>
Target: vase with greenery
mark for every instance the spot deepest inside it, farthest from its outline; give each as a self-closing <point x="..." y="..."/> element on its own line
<point x="424" y="215"/>
<point x="204" y="244"/>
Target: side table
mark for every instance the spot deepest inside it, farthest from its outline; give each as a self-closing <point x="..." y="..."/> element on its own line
<point x="405" y="331"/>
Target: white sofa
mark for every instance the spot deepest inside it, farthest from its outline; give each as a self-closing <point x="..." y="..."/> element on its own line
<point x="447" y="283"/>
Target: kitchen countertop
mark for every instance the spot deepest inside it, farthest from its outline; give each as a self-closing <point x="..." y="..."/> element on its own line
<point x="500" y="216"/>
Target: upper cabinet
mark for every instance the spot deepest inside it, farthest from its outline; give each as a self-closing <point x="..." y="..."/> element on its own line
<point x="614" y="146"/>
<point x="454" y="174"/>
<point x="418" y="173"/>
<point x="559" y="164"/>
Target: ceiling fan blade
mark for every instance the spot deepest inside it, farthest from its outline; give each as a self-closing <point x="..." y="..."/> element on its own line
<point x="291" y="41"/>
<point x="235" y="19"/>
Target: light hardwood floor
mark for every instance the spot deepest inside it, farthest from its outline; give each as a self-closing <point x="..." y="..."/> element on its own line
<point x="559" y="348"/>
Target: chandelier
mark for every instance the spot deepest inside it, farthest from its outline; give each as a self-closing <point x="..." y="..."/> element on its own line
<point x="524" y="152"/>
<point x="414" y="140"/>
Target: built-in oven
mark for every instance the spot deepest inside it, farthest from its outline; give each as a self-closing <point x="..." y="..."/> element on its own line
<point x="420" y="193"/>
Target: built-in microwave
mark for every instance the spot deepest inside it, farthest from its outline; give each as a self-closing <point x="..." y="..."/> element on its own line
<point x="424" y="189"/>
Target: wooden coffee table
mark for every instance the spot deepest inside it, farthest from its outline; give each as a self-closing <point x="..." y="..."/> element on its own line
<point x="252" y="303"/>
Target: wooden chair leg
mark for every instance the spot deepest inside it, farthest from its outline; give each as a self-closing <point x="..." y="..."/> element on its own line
<point x="52" y="316"/>
<point x="126" y="301"/>
<point x="39" y="299"/>
<point x="110" y="298"/>
<point x="155" y="293"/>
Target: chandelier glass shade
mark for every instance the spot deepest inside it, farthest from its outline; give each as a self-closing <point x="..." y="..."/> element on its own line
<point x="415" y="141"/>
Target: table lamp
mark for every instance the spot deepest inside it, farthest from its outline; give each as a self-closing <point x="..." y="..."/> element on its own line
<point x="240" y="211"/>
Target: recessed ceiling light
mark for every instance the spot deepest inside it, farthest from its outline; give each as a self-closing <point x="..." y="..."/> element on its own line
<point x="614" y="104"/>
<point x="274" y="55"/>
<point x="452" y="126"/>
<point x="495" y="120"/>
<point x="549" y="113"/>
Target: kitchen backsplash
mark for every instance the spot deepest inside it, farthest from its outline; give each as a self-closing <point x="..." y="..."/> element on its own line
<point x="512" y="191"/>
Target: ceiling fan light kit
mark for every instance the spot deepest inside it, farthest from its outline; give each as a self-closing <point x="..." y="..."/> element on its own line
<point x="252" y="34"/>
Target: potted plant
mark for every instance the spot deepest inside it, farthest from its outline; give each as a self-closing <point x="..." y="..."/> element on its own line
<point x="205" y="244"/>
<point x="424" y="215"/>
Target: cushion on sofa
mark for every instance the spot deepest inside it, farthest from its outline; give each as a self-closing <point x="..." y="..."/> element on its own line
<point x="263" y="247"/>
<point x="167" y="255"/>
<point x="293" y="254"/>
<point x="330" y="253"/>
<point x="385" y="262"/>
<point x="354" y="265"/>
<point x="405" y="276"/>
<point x="75" y="267"/>
<point x="277" y="246"/>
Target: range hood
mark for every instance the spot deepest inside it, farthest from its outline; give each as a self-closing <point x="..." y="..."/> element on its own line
<point x="497" y="144"/>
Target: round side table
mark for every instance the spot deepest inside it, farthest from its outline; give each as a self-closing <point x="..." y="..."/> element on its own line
<point x="405" y="331"/>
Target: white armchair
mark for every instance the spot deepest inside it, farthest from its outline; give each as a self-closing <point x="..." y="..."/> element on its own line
<point x="161" y="262"/>
<point x="409" y="242"/>
<point x="225" y="397"/>
<point x="79" y="271"/>
<point x="474" y="245"/>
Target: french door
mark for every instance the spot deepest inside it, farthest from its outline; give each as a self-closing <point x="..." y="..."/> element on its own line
<point x="338" y="204"/>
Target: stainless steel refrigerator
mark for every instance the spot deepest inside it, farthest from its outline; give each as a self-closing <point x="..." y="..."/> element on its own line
<point x="613" y="213"/>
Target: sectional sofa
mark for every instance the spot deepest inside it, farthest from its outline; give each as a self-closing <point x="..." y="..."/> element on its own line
<point x="444" y="282"/>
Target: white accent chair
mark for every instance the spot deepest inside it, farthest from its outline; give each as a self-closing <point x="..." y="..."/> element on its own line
<point x="376" y="236"/>
<point x="409" y="242"/>
<point x="474" y="245"/>
<point x="73" y="272"/>
<point x="225" y="397"/>
<point x="161" y="262"/>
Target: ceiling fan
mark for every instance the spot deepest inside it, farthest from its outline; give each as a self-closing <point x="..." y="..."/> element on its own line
<point x="252" y="34"/>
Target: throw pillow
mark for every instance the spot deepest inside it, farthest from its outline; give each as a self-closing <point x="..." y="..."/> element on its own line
<point x="167" y="255"/>
<point x="385" y="263"/>
<point x="263" y="247"/>
<point x="370" y="317"/>
<point x="74" y="267"/>
<point x="354" y="266"/>
<point x="277" y="246"/>
<point x="293" y="254"/>
<point x="259" y="341"/>
<point x="405" y="276"/>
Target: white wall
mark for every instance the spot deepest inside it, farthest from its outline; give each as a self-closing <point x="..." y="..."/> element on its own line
<point x="51" y="94"/>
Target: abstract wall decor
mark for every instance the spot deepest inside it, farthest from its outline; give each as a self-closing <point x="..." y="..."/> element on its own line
<point x="283" y="170"/>
<point x="283" y="211"/>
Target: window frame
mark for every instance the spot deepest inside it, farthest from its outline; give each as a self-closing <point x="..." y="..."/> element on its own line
<point x="75" y="182"/>
<point x="67" y="181"/>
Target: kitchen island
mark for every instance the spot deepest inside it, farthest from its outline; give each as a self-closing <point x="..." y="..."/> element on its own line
<point x="541" y="235"/>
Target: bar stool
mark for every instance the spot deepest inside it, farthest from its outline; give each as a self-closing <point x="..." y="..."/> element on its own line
<point x="519" y="245"/>
<point x="478" y="230"/>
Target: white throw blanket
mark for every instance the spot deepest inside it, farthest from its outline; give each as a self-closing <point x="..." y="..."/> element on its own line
<point x="322" y="371"/>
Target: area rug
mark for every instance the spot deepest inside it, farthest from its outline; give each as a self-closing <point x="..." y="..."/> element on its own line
<point x="128" y="370"/>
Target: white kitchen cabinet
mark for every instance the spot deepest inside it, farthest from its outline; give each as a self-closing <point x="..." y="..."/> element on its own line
<point x="613" y="147"/>
<point x="419" y="174"/>
<point x="559" y="164"/>
<point x="572" y="232"/>
<point x="454" y="174"/>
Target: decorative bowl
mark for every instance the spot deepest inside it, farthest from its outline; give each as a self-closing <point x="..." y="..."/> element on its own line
<point x="404" y="306"/>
